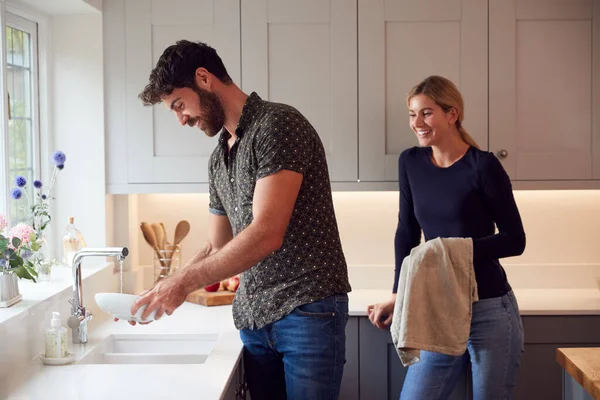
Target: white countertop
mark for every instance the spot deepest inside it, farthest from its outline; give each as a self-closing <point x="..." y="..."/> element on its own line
<point x="208" y="381"/>
<point x="97" y="381"/>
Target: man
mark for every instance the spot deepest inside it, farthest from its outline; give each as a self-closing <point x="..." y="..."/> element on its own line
<point x="271" y="219"/>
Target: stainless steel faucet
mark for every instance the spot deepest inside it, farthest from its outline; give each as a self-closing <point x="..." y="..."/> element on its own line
<point x="78" y="321"/>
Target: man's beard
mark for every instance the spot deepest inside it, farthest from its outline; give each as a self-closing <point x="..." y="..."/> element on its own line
<point x="212" y="113"/>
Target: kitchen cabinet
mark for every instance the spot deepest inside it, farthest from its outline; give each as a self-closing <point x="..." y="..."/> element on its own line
<point x="530" y="77"/>
<point x="146" y="145"/>
<point x="349" y="389"/>
<point x="540" y="374"/>
<point x="237" y="388"/>
<point x="572" y="390"/>
<point x="381" y="374"/>
<point x="400" y="43"/>
<point x="544" y="88"/>
<point x="303" y="53"/>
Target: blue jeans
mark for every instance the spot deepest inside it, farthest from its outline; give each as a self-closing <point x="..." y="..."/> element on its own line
<point x="301" y="356"/>
<point x="494" y="348"/>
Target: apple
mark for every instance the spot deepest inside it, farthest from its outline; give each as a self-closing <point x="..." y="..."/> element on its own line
<point x="233" y="283"/>
<point x="213" y="288"/>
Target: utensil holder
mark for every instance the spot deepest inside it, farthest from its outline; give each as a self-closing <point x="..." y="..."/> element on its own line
<point x="166" y="261"/>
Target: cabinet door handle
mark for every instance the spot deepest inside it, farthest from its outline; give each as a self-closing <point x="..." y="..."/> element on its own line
<point x="502" y="154"/>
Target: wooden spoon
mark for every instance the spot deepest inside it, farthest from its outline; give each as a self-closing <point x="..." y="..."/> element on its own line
<point x="164" y="234"/>
<point x="150" y="237"/>
<point x="181" y="231"/>
<point x="160" y="237"/>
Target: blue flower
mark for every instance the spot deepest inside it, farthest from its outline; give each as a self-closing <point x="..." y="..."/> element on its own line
<point x="26" y="254"/>
<point x="37" y="184"/>
<point x="60" y="166"/>
<point x="2" y="262"/>
<point x="44" y="197"/>
<point x="20" y="181"/>
<point x="58" y="158"/>
<point x="16" y="193"/>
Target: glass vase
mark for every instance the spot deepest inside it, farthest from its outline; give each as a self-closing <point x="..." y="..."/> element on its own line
<point x="42" y="262"/>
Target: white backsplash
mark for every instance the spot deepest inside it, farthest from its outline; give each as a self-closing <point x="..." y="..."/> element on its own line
<point x="561" y="228"/>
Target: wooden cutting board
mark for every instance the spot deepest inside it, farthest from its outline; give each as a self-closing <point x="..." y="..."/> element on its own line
<point x="219" y="298"/>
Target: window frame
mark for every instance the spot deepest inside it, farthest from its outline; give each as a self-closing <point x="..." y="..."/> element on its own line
<point x="11" y="14"/>
<point x="31" y="28"/>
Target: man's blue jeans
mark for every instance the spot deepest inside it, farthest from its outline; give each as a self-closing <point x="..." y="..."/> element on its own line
<point x="301" y="356"/>
<point x="494" y="348"/>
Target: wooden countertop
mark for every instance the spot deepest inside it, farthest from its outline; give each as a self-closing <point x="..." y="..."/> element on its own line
<point x="583" y="364"/>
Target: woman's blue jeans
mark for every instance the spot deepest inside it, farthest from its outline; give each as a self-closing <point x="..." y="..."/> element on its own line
<point x="494" y="348"/>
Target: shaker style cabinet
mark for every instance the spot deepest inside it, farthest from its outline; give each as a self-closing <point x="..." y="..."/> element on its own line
<point x="544" y="83"/>
<point x="303" y="53"/>
<point x="147" y="143"/>
<point x="529" y="72"/>
<point x="401" y="42"/>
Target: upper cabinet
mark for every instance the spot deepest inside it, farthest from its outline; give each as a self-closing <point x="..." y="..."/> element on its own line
<point x="545" y="88"/>
<point x="158" y="149"/>
<point x="303" y="53"/>
<point x="529" y="72"/>
<point x="401" y="42"/>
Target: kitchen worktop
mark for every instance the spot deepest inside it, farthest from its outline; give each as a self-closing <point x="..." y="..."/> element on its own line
<point x="158" y="381"/>
<point x="583" y="364"/>
<point x="209" y="380"/>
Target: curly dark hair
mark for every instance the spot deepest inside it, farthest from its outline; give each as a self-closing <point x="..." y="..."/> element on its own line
<point x="176" y="68"/>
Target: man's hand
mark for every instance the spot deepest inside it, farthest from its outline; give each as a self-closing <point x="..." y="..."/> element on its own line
<point x="170" y="293"/>
<point x="165" y="298"/>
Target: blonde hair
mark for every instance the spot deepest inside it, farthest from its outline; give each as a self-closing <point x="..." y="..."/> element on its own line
<point x="446" y="95"/>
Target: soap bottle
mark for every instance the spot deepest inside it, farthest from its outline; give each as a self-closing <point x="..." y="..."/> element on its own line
<point x="56" y="339"/>
<point x="72" y="242"/>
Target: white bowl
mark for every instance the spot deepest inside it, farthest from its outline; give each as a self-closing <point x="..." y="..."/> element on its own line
<point x="119" y="306"/>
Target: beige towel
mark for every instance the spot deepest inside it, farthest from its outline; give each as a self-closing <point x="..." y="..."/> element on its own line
<point x="436" y="291"/>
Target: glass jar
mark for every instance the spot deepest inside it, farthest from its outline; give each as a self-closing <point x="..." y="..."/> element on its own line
<point x="166" y="261"/>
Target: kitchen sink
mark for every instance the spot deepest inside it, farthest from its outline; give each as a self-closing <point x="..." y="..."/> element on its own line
<point x="152" y="349"/>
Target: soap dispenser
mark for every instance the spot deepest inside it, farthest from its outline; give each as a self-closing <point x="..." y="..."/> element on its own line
<point x="56" y="339"/>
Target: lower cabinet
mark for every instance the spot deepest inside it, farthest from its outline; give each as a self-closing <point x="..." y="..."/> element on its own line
<point x="373" y="369"/>
<point x="237" y="388"/>
<point x="381" y="372"/>
<point x="540" y="375"/>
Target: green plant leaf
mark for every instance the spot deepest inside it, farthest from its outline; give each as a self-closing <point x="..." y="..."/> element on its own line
<point x="16" y="242"/>
<point x="31" y="270"/>
<point x="3" y="244"/>
<point x="16" y="262"/>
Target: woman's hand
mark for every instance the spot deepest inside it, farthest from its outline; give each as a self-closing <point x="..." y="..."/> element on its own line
<point x="381" y="314"/>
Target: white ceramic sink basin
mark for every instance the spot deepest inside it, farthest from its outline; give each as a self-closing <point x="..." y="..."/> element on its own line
<point x="152" y="349"/>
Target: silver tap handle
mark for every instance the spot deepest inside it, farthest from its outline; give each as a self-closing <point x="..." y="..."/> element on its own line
<point x="73" y="322"/>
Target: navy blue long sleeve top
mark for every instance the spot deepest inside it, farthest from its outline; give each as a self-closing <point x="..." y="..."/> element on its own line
<point x="469" y="199"/>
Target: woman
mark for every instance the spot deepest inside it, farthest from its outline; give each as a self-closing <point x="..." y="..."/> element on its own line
<point x="451" y="188"/>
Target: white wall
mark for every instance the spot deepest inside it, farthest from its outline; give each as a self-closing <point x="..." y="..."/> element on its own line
<point x="77" y="125"/>
<point x="561" y="226"/>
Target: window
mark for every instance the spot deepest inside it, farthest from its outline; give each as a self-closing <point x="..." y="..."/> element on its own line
<point x="23" y="125"/>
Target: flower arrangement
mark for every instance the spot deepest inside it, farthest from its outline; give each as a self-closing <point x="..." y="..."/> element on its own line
<point x="18" y="248"/>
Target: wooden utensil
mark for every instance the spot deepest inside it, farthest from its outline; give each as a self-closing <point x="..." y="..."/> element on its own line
<point x="160" y="237"/>
<point x="164" y="234"/>
<point x="150" y="238"/>
<point x="181" y="231"/>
